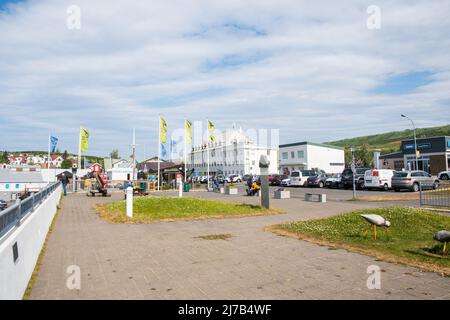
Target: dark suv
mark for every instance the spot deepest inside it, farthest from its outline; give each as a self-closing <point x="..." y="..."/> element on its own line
<point x="347" y="178"/>
<point x="317" y="180"/>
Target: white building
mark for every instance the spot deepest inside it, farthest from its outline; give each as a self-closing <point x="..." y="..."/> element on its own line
<point x="15" y="181"/>
<point x="307" y="155"/>
<point x="232" y="153"/>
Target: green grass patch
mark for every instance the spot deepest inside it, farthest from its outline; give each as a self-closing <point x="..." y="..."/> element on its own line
<point x="154" y="209"/>
<point x="409" y="240"/>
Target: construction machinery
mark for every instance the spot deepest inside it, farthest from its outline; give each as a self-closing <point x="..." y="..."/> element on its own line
<point x="97" y="185"/>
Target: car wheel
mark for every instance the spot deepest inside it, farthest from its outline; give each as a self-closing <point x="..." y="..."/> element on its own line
<point x="320" y="184"/>
<point x="444" y="177"/>
<point x="386" y="187"/>
<point x="415" y="187"/>
<point x="435" y="185"/>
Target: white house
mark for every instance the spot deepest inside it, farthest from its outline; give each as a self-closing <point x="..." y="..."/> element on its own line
<point x="232" y="153"/>
<point x="307" y="155"/>
<point x="12" y="180"/>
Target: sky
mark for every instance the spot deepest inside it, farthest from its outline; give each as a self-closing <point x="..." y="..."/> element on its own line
<point x="313" y="70"/>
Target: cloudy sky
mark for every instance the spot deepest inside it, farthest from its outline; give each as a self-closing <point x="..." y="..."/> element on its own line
<point x="313" y="69"/>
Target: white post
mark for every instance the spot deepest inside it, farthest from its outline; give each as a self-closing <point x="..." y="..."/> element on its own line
<point x="130" y="202"/>
<point x="207" y="150"/>
<point x="185" y="150"/>
<point x="180" y="189"/>
<point x="159" y="153"/>
<point x="48" y="160"/>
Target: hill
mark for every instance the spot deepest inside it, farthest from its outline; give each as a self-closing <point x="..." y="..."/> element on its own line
<point x="391" y="141"/>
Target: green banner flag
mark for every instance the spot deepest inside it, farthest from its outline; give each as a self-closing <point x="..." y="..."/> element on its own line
<point x="211" y="129"/>
<point x="84" y="139"/>
<point x="188" y="128"/>
<point x="162" y="131"/>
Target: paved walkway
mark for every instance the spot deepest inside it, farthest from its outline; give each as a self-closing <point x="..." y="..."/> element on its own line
<point x="167" y="261"/>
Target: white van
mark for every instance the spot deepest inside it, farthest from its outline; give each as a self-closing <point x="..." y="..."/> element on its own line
<point x="298" y="178"/>
<point x="378" y="179"/>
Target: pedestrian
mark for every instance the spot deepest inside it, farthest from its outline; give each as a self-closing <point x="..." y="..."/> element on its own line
<point x="64" y="181"/>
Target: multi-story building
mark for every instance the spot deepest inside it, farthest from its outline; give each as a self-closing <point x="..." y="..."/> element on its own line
<point x="232" y="153"/>
<point x="307" y="155"/>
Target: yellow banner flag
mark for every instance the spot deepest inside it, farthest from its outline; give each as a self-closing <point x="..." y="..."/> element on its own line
<point x="162" y="131"/>
<point x="211" y="129"/>
<point x="84" y="139"/>
<point x="188" y="128"/>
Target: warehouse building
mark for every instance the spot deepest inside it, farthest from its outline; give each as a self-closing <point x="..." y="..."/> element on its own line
<point x="307" y="155"/>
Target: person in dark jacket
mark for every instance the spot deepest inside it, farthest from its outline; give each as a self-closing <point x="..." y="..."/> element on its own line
<point x="64" y="181"/>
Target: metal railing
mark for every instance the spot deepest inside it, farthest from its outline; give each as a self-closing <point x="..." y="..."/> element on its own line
<point x="10" y="217"/>
<point x="435" y="195"/>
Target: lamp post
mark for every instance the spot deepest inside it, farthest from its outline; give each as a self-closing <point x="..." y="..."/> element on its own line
<point x="352" y="149"/>
<point x="415" y="140"/>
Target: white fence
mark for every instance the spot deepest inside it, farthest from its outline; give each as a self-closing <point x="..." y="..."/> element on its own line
<point x="20" y="248"/>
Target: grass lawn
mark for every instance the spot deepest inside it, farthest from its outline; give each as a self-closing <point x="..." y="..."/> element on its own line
<point x="153" y="209"/>
<point x="409" y="240"/>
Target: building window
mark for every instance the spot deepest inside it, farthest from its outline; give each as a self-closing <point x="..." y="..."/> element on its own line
<point x="285" y="155"/>
<point x="301" y="154"/>
<point x="292" y="154"/>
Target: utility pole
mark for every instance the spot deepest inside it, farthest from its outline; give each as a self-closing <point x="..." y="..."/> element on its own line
<point x="352" y="149"/>
<point x="415" y="140"/>
<point x="133" y="146"/>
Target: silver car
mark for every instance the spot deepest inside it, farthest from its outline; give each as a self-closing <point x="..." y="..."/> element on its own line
<point x="412" y="180"/>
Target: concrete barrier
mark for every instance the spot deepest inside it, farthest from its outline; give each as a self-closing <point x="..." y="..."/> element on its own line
<point x="20" y="249"/>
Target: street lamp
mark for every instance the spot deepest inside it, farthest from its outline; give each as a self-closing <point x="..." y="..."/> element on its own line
<point x="415" y="140"/>
<point x="352" y="150"/>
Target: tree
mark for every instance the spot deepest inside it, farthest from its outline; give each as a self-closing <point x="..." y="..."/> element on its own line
<point x="66" y="164"/>
<point x="114" y="154"/>
<point x="4" y="158"/>
<point x="65" y="155"/>
<point x="363" y="156"/>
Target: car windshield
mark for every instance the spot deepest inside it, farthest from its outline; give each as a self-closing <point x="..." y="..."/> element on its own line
<point x="308" y="173"/>
<point x="361" y="171"/>
<point x="400" y="174"/>
<point x="295" y="174"/>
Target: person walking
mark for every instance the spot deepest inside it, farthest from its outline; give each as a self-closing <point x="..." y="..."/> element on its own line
<point x="64" y="181"/>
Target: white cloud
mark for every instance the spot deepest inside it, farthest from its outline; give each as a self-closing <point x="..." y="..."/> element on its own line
<point x="308" y="69"/>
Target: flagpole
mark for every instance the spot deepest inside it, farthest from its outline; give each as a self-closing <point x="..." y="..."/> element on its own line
<point x="185" y="149"/>
<point x="159" y="153"/>
<point x="48" y="160"/>
<point x="79" y="150"/>
<point x="207" y="149"/>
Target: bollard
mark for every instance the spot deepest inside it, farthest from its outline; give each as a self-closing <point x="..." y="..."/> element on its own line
<point x="180" y="189"/>
<point x="130" y="202"/>
<point x="264" y="192"/>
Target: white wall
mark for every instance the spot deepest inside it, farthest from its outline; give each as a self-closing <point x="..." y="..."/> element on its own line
<point x="30" y="237"/>
<point x="322" y="158"/>
<point x="314" y="157"/>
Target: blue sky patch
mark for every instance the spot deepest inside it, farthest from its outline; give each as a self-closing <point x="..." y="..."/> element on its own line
<point x="404" y="83"/>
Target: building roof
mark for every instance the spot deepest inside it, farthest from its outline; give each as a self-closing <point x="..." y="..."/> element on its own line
<point x="12" y="176"/>
<point x="310" y="143"/>
<point x="393" y="155"/>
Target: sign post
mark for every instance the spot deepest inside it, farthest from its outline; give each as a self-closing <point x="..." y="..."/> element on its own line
<point x="130" y="202"/>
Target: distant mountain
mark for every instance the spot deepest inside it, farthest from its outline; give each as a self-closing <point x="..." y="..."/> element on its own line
<point x="391" y="141"/>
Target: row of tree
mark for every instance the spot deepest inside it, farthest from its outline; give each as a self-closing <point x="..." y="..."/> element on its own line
<point x="363" y="156"/>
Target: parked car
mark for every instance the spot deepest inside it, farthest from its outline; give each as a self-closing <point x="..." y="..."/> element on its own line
<point x="347" y="178"/>
<point x="3" y="205"/>
<point x="444" y="175"/>
<point x="411" y="180"/>
<point x="203" y="179"/>
<point x="277" y="179"/>
<point x="333" y="181"/>
<point x="378" y="179"/>
<point x="286" y="182"/>
<point x="298" y="177"/>
<point x="234" y="178"/>
<point x="317" y="180"/>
